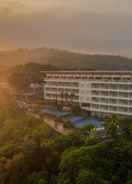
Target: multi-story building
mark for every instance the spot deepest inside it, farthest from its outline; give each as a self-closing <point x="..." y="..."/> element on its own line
<point x="99" y="92"/>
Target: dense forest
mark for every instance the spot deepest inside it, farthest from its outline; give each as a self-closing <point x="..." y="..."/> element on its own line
<point x="33" y="153"/>
<point x="64" y="59"/>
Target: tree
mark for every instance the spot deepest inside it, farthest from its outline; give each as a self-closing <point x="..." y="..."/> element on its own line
<point x="88" y="128"/>
<point x="112" y="127"/>
<point x="32" y="153"/>
<point x="129" y="181"/>
<point x="86" y="177"/>
<point x="42" y="181"/>
<point x="89" y="177"/>
<point x="126" y="127"/>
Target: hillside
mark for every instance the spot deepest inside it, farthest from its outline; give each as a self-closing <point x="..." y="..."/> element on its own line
<point x="33" y="153"/>
<point x="65" y="59"/>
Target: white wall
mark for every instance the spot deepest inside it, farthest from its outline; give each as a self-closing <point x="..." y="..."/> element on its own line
<point x="84" y="91"/>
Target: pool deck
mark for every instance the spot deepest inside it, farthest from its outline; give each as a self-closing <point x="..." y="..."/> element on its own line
<point x="75" y="121"/>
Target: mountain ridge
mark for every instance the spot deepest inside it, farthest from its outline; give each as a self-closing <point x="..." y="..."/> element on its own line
<point x="65" y="59"/>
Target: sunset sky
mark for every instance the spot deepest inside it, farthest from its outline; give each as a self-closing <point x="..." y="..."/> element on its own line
<point x="93" y="26"/>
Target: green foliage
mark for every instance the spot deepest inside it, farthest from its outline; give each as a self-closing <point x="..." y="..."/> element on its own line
<point x="86" y="177"/>
<point x="32" y="153"/>
<point x="126" y="127"/>
<point x="113" y="126"/>
<point x="129" y="182"/>
<point x="88" y="128"/>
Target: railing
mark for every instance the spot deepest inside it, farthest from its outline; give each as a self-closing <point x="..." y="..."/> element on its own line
<point x="112" y="97"/>
<point x="111" y="89"/>
<point x="112" y="112"/>
<point x="61" y="86"/>
<point x="112" y="104"/>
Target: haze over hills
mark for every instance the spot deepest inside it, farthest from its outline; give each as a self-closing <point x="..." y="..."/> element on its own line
<point x="64" y="59"/>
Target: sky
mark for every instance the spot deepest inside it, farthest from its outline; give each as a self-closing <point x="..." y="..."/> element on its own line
<point x="89" y="26"/>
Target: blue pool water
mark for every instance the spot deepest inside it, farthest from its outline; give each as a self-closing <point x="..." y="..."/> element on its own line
<point x="76" y="121"/>
<point x="90" y="121"/>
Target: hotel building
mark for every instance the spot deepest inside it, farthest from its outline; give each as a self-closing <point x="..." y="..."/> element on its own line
<point x="98" y="92"/>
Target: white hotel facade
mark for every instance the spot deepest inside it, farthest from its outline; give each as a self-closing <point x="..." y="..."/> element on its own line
<point x="98" y="92"/>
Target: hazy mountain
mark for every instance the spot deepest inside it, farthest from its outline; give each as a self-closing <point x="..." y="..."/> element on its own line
<point x="65" y="59"/>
